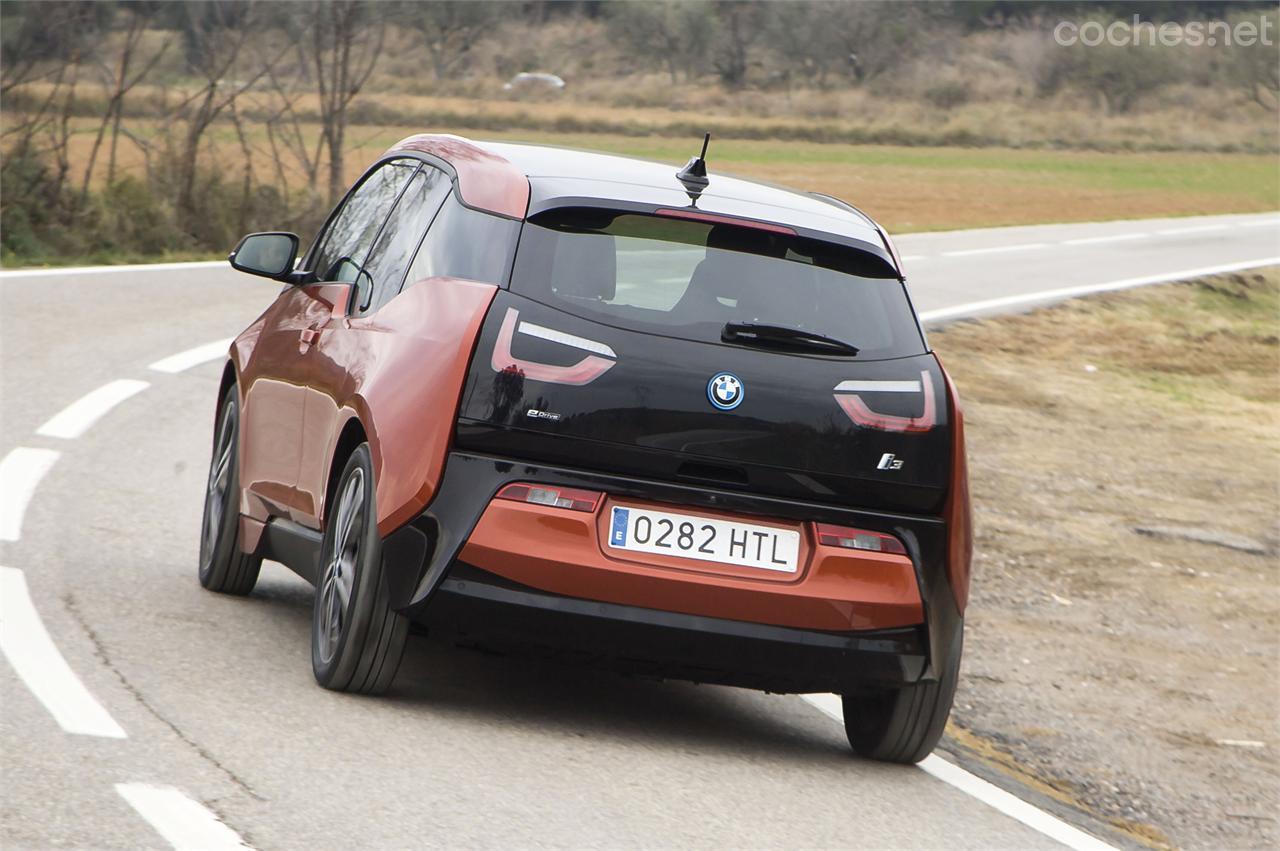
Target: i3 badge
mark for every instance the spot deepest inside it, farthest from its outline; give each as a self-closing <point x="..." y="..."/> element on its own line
<point x="725" y="391"/>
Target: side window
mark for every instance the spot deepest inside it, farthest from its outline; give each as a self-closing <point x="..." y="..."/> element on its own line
<point x="465" y="243"/>
<point x="345" y="245"/>
<point x="390" y="257"/>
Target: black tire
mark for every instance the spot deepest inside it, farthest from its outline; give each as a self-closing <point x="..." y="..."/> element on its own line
<point x="903" y="724"/>
<point x="223" y="567"/>
<point x="355" y="647"/>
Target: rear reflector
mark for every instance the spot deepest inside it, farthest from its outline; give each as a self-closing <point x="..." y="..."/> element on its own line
<point x="858" y="539"/>
<point x="573" y="499"/>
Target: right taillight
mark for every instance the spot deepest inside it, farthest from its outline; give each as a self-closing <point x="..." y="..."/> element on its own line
<point x="858" y="539"/>
<point x="849" y="398"/>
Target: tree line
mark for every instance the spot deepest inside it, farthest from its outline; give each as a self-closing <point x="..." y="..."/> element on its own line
<point x="85" y="85"/>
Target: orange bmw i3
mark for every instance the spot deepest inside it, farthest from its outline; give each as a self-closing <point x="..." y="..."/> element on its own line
<point x="555" y="402"/>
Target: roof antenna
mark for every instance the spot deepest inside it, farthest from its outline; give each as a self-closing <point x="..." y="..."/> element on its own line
<point x="694" y="173"/>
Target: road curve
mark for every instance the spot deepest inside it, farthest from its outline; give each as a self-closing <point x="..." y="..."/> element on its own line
<point x="224" y="727"/>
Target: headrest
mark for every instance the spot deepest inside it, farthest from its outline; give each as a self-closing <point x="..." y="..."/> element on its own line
<point x="585" y="266"/>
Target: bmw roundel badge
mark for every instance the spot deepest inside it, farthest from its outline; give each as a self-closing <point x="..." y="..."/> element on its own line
<point x="725" y="391"/>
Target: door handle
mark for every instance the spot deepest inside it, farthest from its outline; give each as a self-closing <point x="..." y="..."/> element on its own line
<point x="306" y="339"/>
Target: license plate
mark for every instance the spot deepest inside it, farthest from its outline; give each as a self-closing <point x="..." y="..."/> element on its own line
<point x="640" y="530"/>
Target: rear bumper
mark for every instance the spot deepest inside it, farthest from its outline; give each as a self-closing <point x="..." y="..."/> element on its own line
<point x="477" y="607"/>
<point x="799" y="636"/>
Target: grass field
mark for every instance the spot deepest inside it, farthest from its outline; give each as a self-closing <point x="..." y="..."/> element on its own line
<point x="1119" y="669"/>
<point x="906" y="188"/>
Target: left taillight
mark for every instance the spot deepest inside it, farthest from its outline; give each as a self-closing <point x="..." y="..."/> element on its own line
<point x="574" y="499"/>
<point x="599" y="360"/>
<point x="858" y="539"/>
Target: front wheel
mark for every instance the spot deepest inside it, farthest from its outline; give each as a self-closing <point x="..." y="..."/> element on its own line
<point x="903" y="724"/>
<point x="357" y="639"/>
<point x="223" y="567"/>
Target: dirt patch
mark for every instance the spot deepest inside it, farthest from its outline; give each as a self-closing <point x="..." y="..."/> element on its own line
<point x="1135" y="674"/>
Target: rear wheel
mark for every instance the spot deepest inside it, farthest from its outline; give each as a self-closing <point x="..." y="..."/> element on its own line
<point x="223" y="567"/>
<point x="357" y="639"/>
<point x="902" y="724"/>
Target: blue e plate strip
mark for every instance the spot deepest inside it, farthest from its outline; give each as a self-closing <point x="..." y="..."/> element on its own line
<point x="618" y="534"/>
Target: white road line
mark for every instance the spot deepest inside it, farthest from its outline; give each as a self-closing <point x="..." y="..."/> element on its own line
<point x="193" y="357"/>
<point x="989" y="794"/>
<point x="185" y="824"/>
<point x="6" y="274"/>
<point x="1011" y="805"/>
<point x="999" y="249"/>
<point x="27" y="645"/>
<point x="1200" y="229"/>
<point x="1262" y="224"/>
<point x="1095" y="240"/>
<point x="975" y="307"/>
<point x="75" y="419"/>
<point x="20" y="473"/>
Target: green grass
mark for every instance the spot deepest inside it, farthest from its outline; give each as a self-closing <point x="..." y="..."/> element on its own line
<point x="1241" y="182"/>
<point x="8" y="260"/>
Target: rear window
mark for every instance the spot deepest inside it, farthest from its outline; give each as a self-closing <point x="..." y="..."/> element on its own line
<point x="686" y="279"/>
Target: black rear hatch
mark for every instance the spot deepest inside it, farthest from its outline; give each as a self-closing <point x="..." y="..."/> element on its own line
<point x="696" y="351"/>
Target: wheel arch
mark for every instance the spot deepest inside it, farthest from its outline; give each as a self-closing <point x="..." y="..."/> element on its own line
<point x="351" y="435"/>
<point x="230" y="378"/>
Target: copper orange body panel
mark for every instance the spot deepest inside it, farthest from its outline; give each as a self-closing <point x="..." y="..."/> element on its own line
<point x="398" y="371"/>
<point x="561" y="552"/>
<point x="958" y="511"/>
<point x="486" y="181"/>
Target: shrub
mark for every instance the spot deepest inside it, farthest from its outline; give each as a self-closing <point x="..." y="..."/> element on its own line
<point x="947" y="94"/>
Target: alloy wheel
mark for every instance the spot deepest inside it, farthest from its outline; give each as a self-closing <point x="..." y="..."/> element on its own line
<point x="218" y="490"/>
<point x="337" y="583"/>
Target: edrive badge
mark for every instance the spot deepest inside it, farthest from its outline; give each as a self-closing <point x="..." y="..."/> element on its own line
<point x="725" y="391"/>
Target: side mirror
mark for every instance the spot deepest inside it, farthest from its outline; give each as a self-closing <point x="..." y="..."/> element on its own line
<point x="271" y="255"/>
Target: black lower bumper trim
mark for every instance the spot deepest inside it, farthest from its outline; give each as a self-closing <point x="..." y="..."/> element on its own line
<point x="421" y="555"/>
<point x="477" y="607"/>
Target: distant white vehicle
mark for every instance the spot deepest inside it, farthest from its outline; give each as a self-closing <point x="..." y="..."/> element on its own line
<point x="527" y="80"/>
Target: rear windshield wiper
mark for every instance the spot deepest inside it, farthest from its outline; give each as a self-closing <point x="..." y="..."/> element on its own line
<point x="759" y="332"/>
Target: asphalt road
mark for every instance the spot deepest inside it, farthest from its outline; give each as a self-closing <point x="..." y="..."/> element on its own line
<point x="216" y="695"/>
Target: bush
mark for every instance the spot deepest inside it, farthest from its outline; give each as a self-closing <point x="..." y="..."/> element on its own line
<point x="41" y="222"/>
<point x="947" y="94"/>
<point x="130" y="219"/>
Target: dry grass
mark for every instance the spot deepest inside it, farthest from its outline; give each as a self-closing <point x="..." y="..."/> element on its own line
<point x="1186" y="119"/>
<point x="908" y="189"/>
<point x="1110" y="663"/>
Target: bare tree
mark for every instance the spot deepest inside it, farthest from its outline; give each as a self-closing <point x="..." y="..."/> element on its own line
<point x="285" y="133"/>
<point x="448" y="29"/>
<point x="739" y="26"/>
<point x="346" y="41"/>
<point x="218" y="32"/>
<point x="804" y="42"/>
<point x="677" y="32"/>
<point x="874" y="37"/>
<point x="1254" y="68"/>
<point x="120" y="83"/>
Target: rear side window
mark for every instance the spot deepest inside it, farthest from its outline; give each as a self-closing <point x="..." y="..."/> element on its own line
<point x="465" y="243"/>
<point x="350" y="235"/>
<point x="389" y="259"/>
<point x="688" y="279"/>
